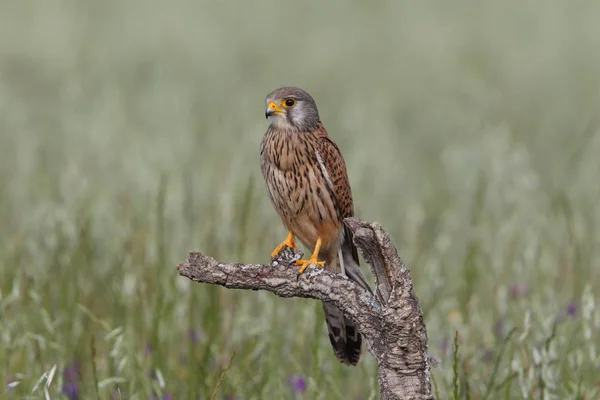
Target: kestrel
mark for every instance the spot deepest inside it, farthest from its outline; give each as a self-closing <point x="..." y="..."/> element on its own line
<point x="309" y="188"/>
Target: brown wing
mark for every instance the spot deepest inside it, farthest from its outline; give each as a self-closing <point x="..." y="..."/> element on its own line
<point x="332" y="159"/>
<point x="343" y="334"/>
<point x="330" y="156"/>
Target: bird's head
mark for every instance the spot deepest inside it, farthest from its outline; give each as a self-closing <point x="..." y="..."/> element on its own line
<point x="292" y="109"/>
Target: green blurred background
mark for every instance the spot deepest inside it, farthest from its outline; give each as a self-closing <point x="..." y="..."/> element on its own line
<point x="129" y="134"/>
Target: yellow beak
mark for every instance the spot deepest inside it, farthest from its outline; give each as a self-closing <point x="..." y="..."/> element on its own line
<point x="273" y="109"/>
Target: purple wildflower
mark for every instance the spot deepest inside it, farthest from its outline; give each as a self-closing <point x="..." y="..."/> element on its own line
<point x="488" y="356"/>
<point x="572" y="310"/>
<point x="298" y="383"/>
<point x="194" y="336"/>
<point x="71" y="376"/>
<point x="518" y="290"/>
<point x="499" y="329"/>
<point x="72" y="372"/>
<point x="71" y="390"/>
<point x="148" y="349"/>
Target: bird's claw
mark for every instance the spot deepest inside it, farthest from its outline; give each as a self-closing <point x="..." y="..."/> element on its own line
<point x="305" y="263"/>
<point x="288" y="242"/>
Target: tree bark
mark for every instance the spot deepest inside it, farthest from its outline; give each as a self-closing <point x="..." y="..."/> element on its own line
<point x="391" y="321"/>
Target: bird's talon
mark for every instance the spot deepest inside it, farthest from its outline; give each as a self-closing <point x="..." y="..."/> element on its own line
<point x="277" y="250"/>
<point x="288" y="242"/>
<point x="305" y="263"/>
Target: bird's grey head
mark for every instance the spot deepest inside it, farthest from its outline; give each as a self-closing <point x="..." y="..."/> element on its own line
<point x="292" y="109"/>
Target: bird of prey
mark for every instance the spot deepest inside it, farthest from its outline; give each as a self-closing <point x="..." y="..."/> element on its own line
<point x="308" y="185"/>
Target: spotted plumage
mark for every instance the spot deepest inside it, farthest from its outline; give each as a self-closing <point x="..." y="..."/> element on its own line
<point x="309" y="188"/>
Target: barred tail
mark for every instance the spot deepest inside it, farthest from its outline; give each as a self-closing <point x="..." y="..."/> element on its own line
<point x="343" y="335"/>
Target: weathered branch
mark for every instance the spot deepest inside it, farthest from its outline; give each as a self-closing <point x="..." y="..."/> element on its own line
<point x="391" y="322"/>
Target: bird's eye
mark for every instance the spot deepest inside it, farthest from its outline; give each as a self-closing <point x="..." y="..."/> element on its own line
<point x="288" y="103"/>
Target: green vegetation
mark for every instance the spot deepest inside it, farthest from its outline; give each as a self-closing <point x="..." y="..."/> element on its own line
<point x="129" y="134"/>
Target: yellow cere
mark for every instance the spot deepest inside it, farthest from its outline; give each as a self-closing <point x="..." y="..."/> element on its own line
<point x="275" y="107"/>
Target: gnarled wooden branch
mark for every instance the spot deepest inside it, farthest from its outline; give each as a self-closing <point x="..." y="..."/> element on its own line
<point x="391" y="322"/>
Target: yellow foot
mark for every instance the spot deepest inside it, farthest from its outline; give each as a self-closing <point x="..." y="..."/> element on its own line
<point x="314" y="259"/>
<point x="288" y="242"/>
<point x="311" y="261"/>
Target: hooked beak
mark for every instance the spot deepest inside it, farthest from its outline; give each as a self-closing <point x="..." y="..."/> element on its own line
<point x="273" y="109"/>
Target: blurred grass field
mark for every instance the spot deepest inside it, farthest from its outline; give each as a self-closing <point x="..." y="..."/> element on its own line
<point x="129" y="135"/>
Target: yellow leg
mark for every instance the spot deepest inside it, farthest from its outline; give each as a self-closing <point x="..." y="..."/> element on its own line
<point x="288" y="242"/>
<point x="313" y="260"/>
